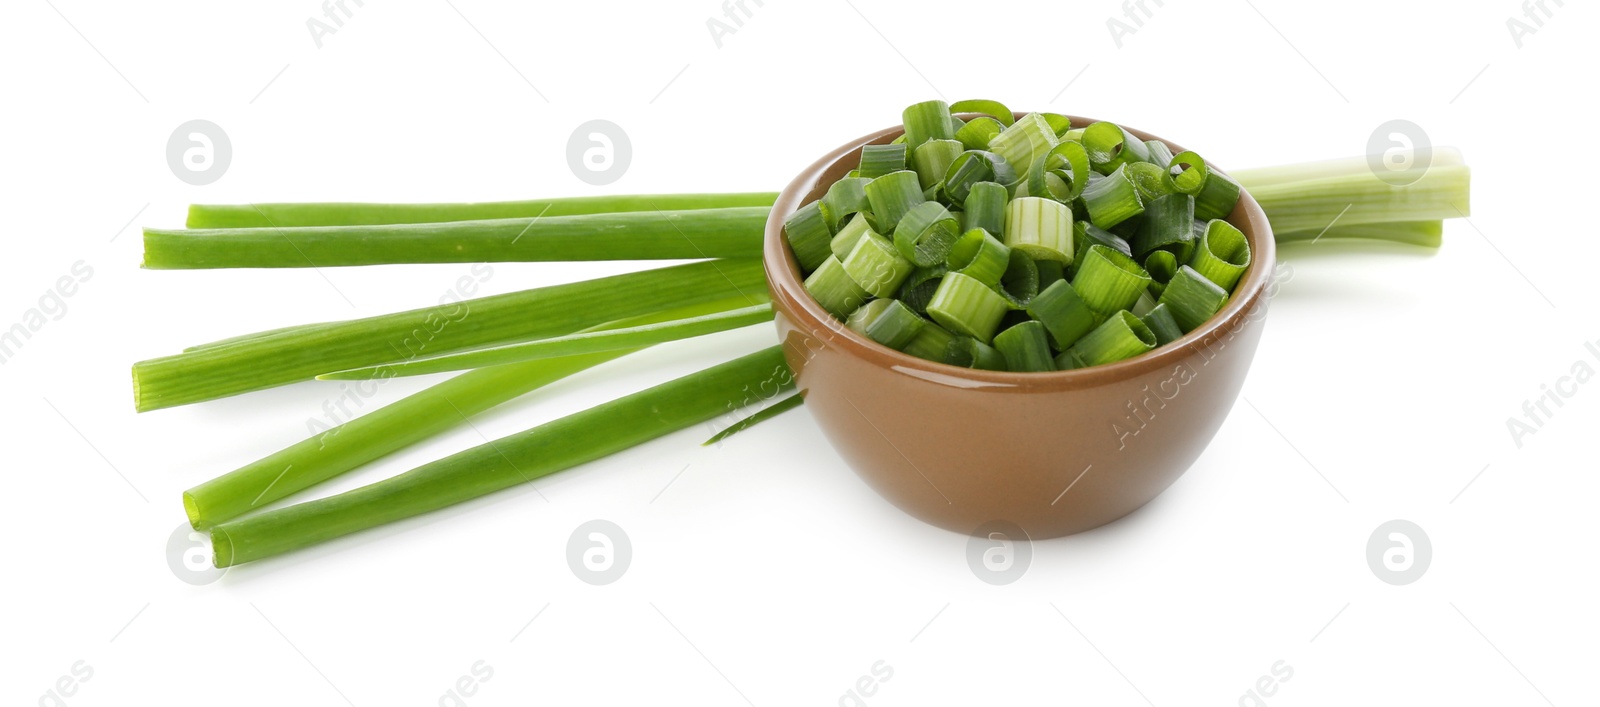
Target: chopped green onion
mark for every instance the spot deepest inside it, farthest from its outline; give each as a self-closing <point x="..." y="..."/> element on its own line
<point x="1162" y="324"/>
<point x="1112" y="200"/>
<point x="1065" y="315"/>
<point x="1020" y="282"/>
<point x="980" y="256"/>
<point x="878" y="160"/>
<point x="993" y="109"/>
<point x="968" y="307"/>
<point x="1222" y="255"/>
<point x="1050" y="272"/>
<point x="293" y="356"/>
<point x="917" y="291"/>
<point x="1217" y="196"/>
<point x="933" y="158"/>
<point x="1119" y="337"/>
<point x="930" y="342"/>
<point x="791" y="402"/>
<point x="635" y="235"/>
<point x="877" y="267"/>
<point x="847" y="196"/>
<point x="1160" y="154"/>
<point x="1110" y="147"/>
<point x="853" y="231"/>
<point x="985" y="207"/>
<point x="1143" y="305"/>
<point x="655" y="331"/>
<point x="894" y="325"/>
<point x="859" y="319"/>
<point x="1109" y="281"/>
<point x="929" y="120"/>
<point x="365" y="214"/>
<point x="1188" y="171"/>
<point x="1168" y="224"/>
<point x="977" y="133"/>
<point x="892" y="196"/>
<point x="1024" y="141"/>
<point x="1149" y="181"/>
<point x="834" y="289"/>
<point x="808" y="235"/>
<point x="1192" y="298"/>
<point x="1058" y="122"/>
<point x="1040" y="228"/>
<point x="972" y="167"/>
<point x="926" y="234"/>
<point x="1161" y="266"/>
<point x="968" y="352"/>
<point x="1069" y="360"/>
<point x="1026" y="347"/>
<point x="1061" y="174"/>
<point x="519" y="458"/>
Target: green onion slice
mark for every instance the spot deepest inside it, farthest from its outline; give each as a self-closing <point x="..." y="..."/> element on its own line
<point x="968" y="352"/>
<point x="1168" y="224"/>
<point x="1109" y="280"/>
<point x="834" y="289"/>
<point x="930" y="342"/>
<point x="877" y="267"/>
<point x="1119" y="337"/>
<point x="985" y="207"/>
<point x="993" y="109"/>
<point x="1020" y="282"/>
<point x="1063" y="313"/>
<point x="1217" y="196"/>
<point x="891" y="196"/>
<point x="1040" y="228"/>
<point x="917" y="291"/>
<point x="933" y="158"/>
<point x="972" y="167"/>
<point x="1222" y="254"/>
<point x="847" y="196"/>
<point x="808" y="235"/>
<point x="1061" y="174"/>
<point x="980" y="256"/>
<point x="853" y="231"/>
<point x="1161" y="323"/>
<point x="966" y="306"/>
<point x="1192" y="298"/>
<point x="1025" y="141"/>
<point x="929" y="120"/>
<point x="977" y="133"/>
<point x="1188" y="171"/>
<point x="1111" y="146"/>
<point x="1026" y="347"/>
<point x="926" y="234"/>
<point x="878" y="160"/>
<point x="1161" y="265"/>
<point x="1112" y="200"/>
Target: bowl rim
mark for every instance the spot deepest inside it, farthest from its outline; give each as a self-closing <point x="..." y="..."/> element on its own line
<point x="788" y="291"/>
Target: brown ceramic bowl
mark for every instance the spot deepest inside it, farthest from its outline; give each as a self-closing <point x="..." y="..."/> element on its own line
<point x="1051" y="453"/>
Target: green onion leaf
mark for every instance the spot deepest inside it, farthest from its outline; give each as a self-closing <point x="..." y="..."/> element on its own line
<point x="966" y="306"/>
<point x="808" y="235"/>
<point x="1428" y="234"/>
<point x="968" y="352"/>
<point x="834" y="289"/>
<point x="791" y="402"/>
<point x="1222" y="255"/>
<point x="1119" y="337"/>
<point x="360" y="214"/>
<point x="1065" y="315"/>
<point x="1026" y="348"/>
<point x="1109" y="281"/>
<point x="1192" y="298"/>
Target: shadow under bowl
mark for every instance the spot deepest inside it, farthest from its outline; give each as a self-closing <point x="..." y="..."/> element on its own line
<point x="1049" y="453"/>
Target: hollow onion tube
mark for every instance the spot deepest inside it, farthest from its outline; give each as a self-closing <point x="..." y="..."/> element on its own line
<point x="1111" y="146"/>
<point x="887" y="322"/>
<point x="930" y="342"/>
<point x="1161" y="266"/>
<point x="1119" y="337"/>
<point x="1020" y="282"/>
<point x="847" y="196"/>
<point x="851" y="233"/>
<point x="395" y="426"/>
<point x="1112" y="200"/>
<point x="1109" y="281"/>
<point x="293" y="356"/>
<point x="878" y="160"/>
<point x="968" y="307"/>
<point x="928" y="120"/>
<point x="1063" y="313"/>
<point x="1222" y="254"/>
<point x="985" y="207"/>
<point x="834" y="289"/>
<point x="1423" y="233"/>
<point x="968" y="352"/>
<point x="808" y="235"/>
<point x="1050" y="272"/>
<point x="515" y="459"/>
<point x="980" y="256"/>
<point x="637" y="235"/>
<point x="1026" y="347"/>
<point x="372" y="214"/>
<point x="972" y="167"/>
<point x="926" y="233"/>
<point x="1218" y="194"/>
<point x="1168" y="224"/>
<point x="977" y="133"/>
<point x="1040" y="228"/>
<point x="648" y="333"/>
<point x="1161" y="323"/>
<point x="1188" y="171"/>
<point x="1192" y="298"/>
<point x="933" y="158"/>
<point x="1024" y="141"/>
<point x="877" y="267"/>
<point x="891" y="196"/>
<point x="1061" y="174"/>
<point x="1149" y="180"/>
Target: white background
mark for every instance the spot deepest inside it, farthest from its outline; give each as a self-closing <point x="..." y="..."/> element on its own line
<point x="765" y="572"/>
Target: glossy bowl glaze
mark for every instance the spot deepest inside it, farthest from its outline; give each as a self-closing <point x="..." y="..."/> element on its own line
<point x="1051" y="453"/>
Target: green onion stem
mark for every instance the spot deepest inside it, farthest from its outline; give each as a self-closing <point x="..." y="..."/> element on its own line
<point x="372" y="214"/>
<point x="791" y="402"/>
<point x="519" y="458"/>
<point x="636" y="235"/>
<point x="1428" y="234"/>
